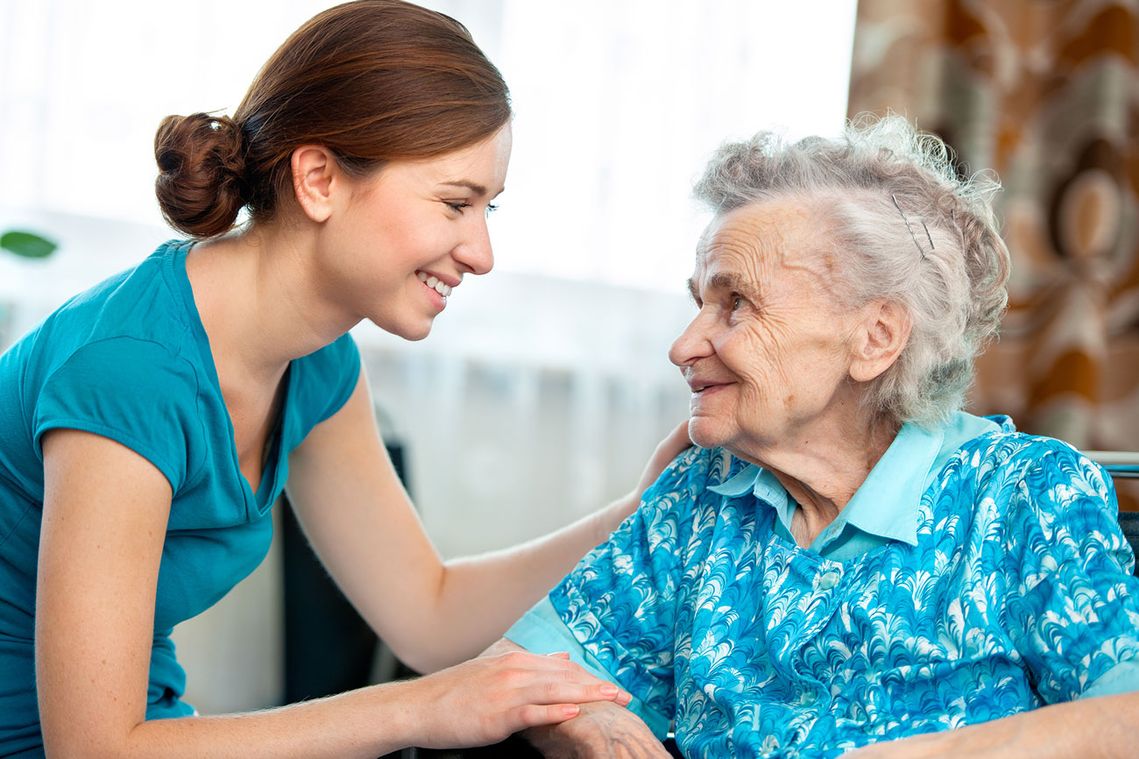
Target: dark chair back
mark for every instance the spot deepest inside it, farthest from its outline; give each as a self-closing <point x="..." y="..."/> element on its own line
<point x="1122" y="465"/>
<point x="1129" y="521"/>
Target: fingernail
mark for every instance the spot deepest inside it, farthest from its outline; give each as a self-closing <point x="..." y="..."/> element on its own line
<point x="570" y="710"/>
<point x="624" y="699"/>
<point x="609" y="690"/>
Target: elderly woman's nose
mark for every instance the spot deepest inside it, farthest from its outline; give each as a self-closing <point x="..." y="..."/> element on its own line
<point x="690" y="346"/>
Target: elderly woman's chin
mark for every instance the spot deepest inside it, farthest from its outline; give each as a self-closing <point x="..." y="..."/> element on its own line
<point x="708" y="431"/>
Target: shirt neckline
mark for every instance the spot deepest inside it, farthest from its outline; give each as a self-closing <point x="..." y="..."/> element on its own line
<point x="259" y="501"/>
<point x="886" y="506"/>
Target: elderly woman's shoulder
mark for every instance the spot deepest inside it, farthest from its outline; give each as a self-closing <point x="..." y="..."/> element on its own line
<point x="1043" y="474"/>
<point x="1010" y="452"/>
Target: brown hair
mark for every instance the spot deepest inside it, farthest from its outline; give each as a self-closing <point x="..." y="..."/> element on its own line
<point x="371" y="80"/>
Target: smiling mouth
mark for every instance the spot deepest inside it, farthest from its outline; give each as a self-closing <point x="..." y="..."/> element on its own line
<point x="698" y="389"/>
<point x="434" y="283"/>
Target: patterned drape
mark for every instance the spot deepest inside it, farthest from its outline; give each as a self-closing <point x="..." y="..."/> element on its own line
<point x="1046" y="92"/>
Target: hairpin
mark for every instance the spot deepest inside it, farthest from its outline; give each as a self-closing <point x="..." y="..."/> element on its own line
<point x="928" y="236"/>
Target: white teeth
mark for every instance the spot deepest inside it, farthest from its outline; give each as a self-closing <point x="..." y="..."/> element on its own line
<point x="434" y="283"/>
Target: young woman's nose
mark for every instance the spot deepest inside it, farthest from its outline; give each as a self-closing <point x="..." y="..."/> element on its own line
<point x="475" y="252"/>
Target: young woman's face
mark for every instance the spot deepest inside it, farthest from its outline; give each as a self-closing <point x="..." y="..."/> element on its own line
<point x="408" y="234"/>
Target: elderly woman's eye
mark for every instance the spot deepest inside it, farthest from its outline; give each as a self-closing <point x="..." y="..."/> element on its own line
<point x="737" y="302"/>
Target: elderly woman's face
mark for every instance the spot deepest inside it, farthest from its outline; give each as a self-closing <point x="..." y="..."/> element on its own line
<point x="767" y="354"/>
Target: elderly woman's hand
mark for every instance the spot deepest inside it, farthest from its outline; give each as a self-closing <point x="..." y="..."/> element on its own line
<point x="600" y="731"/>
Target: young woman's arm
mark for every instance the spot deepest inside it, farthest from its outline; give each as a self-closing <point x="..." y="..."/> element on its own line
<point x="432" y="613"/>
<point x="104" y="524"/>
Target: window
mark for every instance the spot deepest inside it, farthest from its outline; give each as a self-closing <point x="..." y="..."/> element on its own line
<point x="618" y="105"/>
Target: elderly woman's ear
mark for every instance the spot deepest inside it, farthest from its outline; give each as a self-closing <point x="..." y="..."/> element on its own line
<point x="877" y="339"/>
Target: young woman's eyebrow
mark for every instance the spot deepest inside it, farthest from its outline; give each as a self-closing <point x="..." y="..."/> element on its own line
<point x="477" y="189"/>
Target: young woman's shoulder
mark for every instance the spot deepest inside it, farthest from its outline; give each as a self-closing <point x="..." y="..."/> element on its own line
<point x="122" y="360"/>
<point x="150" y="302"/>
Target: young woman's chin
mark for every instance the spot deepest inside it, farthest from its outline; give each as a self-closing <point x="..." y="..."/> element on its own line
<point x="410" y="331"/>
<point x="415" y="337"/>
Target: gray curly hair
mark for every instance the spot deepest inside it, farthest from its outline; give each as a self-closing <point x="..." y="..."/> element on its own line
<point x="880" y="186"/>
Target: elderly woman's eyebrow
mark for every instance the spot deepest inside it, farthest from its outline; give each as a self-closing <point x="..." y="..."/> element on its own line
<point x="724" y="280"/>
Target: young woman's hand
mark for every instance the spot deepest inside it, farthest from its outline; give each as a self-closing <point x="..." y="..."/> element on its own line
<point x="667" y="450"/>
<point x="487" y="699"/>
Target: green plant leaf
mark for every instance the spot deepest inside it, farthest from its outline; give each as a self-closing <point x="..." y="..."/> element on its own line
<point x="27" y="244"/>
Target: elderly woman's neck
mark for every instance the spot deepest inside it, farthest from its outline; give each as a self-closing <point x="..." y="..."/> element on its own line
<point x="822" y="472"/>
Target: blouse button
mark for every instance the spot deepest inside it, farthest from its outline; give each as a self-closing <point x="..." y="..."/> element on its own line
<point x="828" y="579"/>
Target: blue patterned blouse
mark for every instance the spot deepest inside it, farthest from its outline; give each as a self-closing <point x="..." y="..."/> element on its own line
<point x="977" y="573"/>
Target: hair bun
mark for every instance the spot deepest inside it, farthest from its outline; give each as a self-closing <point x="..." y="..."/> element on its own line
<point x="201" y="182"/>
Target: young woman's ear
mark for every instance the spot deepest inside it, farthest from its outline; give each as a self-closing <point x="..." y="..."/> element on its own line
<point x="878" y="340"/>
<point x="315" y="174"/>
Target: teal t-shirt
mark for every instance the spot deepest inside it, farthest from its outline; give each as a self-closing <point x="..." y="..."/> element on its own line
<point x="130" y="360"/>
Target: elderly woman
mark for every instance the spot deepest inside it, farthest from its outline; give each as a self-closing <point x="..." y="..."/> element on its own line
<point x="847" y="558"/>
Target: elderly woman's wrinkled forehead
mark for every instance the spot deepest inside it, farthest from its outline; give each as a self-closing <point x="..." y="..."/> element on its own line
<point x="765" y="236"/>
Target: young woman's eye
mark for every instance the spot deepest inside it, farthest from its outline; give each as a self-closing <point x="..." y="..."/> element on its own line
<point x="457" y="205"/>
<point x="491" y="208"/>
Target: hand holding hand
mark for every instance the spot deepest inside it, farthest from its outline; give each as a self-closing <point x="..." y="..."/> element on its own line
<point x="486" y="699"/>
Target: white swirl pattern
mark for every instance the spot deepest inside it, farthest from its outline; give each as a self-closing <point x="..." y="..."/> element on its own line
<point x="1018" y="593"/>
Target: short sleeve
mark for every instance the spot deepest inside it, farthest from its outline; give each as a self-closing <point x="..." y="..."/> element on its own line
<point x="1073" y="606"/>
<point x="135" y="392"/>
<point x="327" y="380"/>
<point x="621" y="602"/>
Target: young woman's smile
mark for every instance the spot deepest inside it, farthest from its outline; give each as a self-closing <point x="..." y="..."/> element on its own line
<point x="402" y="240"/>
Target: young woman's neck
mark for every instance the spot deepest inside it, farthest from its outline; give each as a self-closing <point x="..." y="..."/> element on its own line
<point x="253" y="292"/>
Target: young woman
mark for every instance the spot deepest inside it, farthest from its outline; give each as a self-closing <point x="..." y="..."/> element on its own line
<point x="149" y="425"/>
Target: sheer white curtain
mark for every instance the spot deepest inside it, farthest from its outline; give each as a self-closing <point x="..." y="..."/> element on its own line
<point x="545" y="385"/>
<point x="618" y="102"/>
